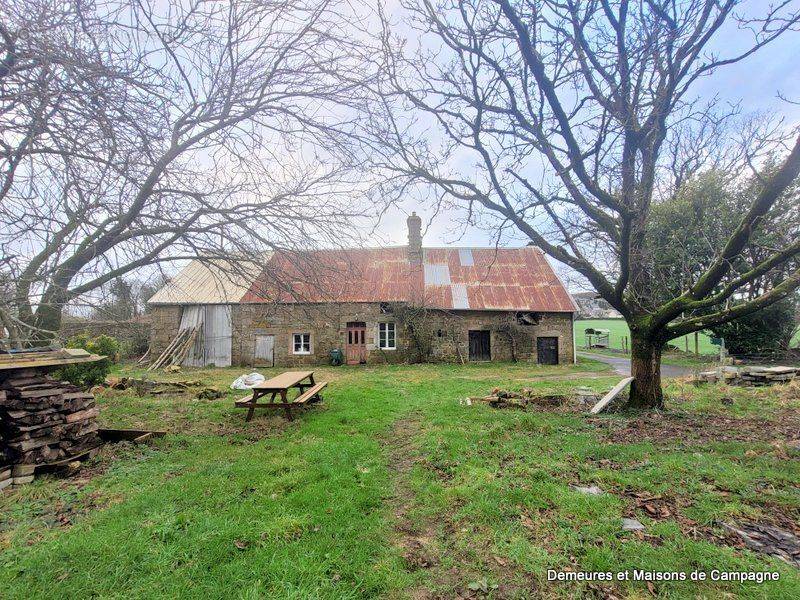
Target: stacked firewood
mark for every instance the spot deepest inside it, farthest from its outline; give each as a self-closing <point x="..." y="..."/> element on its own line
<point x="45" y="420"/>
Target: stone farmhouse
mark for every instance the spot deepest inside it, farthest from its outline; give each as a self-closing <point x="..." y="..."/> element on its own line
<point x="376" y="305"/>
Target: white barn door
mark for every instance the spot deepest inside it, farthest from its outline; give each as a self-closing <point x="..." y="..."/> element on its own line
<point x="218" y="335"/>
<point x="213" y="347"/>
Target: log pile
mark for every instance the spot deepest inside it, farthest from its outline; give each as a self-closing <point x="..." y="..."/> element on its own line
<point x="500" y="398"/>
<point x="149" y="387"/>
<point x="5" y="461"/>
<point x="43" y="419"/>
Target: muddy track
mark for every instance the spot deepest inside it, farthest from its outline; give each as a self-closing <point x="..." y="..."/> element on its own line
<point x="415" y="538"/>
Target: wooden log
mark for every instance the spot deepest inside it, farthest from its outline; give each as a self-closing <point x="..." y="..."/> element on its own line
<point x="183" y="352"/>
<point x="83" y="414"/>
<point x="78" y="396"/>
<point x="41" y="392"/>
<point x="31" y="418"/>
<point x="26" y="445"/>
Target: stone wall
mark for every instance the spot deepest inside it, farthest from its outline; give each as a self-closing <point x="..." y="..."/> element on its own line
<point x="132" y="334"/>
<point x="327" y="324"/>
<point x="164" y="322"/>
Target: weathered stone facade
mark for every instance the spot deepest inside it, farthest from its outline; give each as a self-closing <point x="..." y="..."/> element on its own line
<point x="445" y="332"/>
<point x="164" y="322"/>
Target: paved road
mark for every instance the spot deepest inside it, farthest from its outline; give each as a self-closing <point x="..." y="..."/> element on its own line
<point x="622" y="365"/>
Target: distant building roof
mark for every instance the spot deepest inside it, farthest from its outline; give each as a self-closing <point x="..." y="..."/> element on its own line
<point x="517" y="279"/>
<point x="209" y="281"/>
<point x="592" y="306"/>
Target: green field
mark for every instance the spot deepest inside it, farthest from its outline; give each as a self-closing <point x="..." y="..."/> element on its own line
<point x="395" y="487"/>
<point x="619" y="329"/>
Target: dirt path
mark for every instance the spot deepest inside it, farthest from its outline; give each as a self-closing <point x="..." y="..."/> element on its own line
<point x="415" y="537"/>
<point x="425" y="541"/>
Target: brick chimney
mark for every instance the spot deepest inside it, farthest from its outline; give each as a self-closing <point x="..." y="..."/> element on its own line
<point x="414" y="239"/>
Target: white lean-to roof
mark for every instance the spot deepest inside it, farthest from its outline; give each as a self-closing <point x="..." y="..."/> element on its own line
<point x="209" y="281"/>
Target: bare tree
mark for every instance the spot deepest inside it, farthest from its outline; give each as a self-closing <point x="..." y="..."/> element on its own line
<point x="134" y="132"/>
<point x="570" y="119"/>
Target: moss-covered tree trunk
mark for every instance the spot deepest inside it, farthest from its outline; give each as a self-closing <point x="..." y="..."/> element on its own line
<point x="646" y="372"/>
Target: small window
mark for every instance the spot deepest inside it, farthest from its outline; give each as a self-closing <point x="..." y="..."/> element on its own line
<point x="387" y="339"/>
<point x="301" y="343"/>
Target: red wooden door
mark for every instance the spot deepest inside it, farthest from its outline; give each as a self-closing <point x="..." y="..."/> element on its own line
<point x="355" y="348"/>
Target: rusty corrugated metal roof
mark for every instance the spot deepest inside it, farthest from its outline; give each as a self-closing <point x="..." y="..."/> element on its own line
<point x="451" y="278"/>
<point x="499" y="279"/>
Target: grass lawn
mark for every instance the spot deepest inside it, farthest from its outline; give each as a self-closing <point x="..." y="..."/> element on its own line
<point x="619" y="328"/>
<point x="392" y="488"/>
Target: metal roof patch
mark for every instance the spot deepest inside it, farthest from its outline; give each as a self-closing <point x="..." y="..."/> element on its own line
<point x="465" y="257"/>
<point x="437" y="275"/>
<point x="460" y="299"/>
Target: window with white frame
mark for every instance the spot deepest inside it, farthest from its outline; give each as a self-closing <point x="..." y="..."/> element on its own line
<point x="301" y="343"/>
<point x="387" y="339"/>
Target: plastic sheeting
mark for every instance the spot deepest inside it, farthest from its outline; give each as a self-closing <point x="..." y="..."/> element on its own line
<point x="247" y="382"/>
<point x="213" y="347"/>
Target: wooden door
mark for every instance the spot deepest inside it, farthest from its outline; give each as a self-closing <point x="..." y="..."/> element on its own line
<point x="479" y="348"/>
<point x="355" y="348"/>
<point x="547" y="350"/>
<point x="264" y="354"/>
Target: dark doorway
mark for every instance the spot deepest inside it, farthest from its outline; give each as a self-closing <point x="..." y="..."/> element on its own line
<point x="479" y="345"/>
<point x="355" y="348"/>
<point x="547" y="350"/>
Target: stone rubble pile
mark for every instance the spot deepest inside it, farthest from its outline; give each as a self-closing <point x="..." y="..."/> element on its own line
<point x="749" y="376"/>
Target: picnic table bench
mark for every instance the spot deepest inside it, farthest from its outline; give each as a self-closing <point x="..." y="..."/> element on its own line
<point x="280" y="386"/>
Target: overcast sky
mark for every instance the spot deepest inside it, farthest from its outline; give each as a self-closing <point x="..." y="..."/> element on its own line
<point x="754" y="83"/>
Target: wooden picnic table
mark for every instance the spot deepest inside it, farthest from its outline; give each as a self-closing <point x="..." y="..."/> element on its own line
<point x="280" y="386"/>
